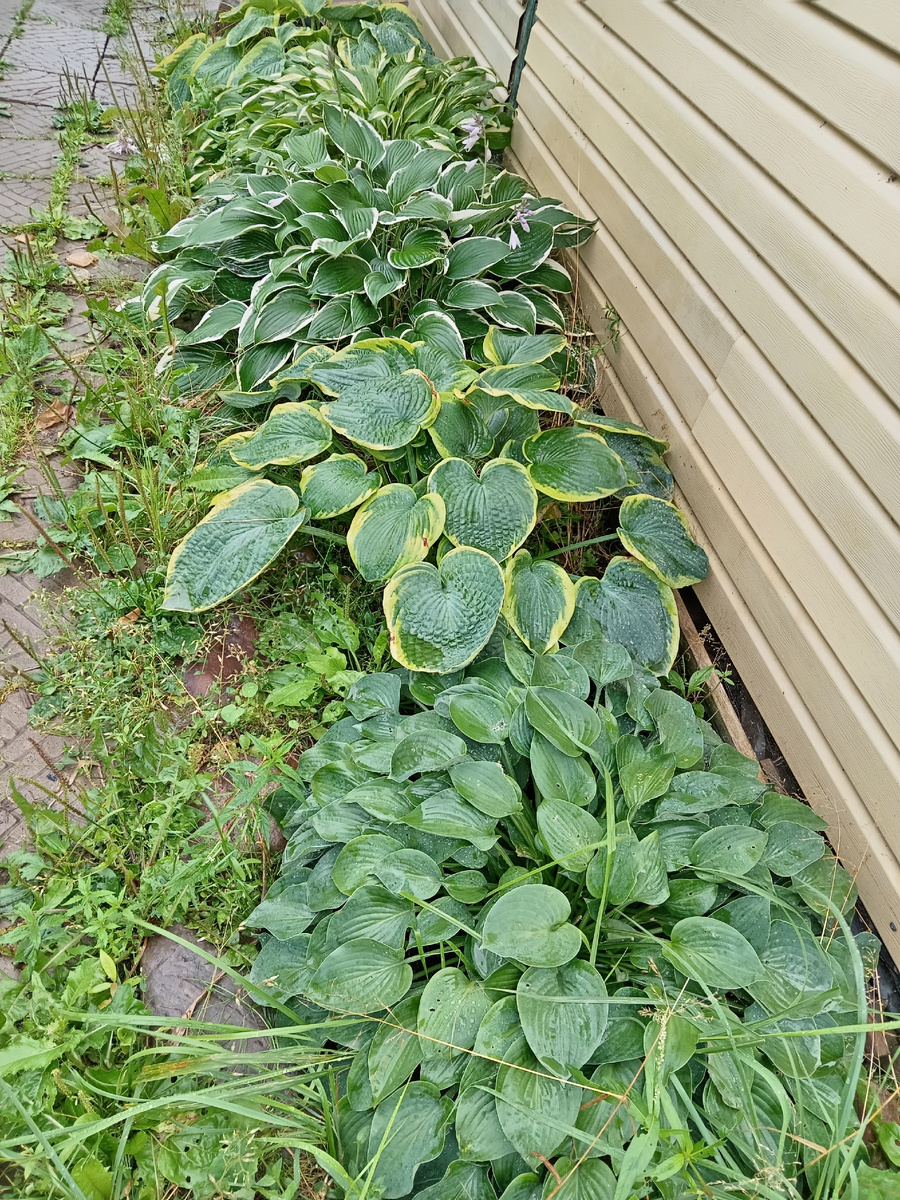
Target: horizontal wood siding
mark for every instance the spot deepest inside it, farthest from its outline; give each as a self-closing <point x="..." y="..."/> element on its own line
<point x="743" y="162"/>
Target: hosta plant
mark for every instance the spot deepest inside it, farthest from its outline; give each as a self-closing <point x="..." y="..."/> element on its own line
<point x="437" y="470"/>
<point x="274" y="72"/>
<point x="569" y="942"/>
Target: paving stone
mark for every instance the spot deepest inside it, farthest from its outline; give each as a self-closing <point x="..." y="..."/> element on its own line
<point x="50" y="48"/>
<point x="31" y="85"/>
<point x="20" y="199"/>
<point x="26" y="120"/>
<point x="28" y="157"/>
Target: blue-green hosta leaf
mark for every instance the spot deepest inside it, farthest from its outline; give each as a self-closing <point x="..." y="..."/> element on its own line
<point x="647" y="471"/>
<point x="526" y="1186"/>
<point x="473" y="256"/>
<point x="529" y="384"/>
<point x="514" y="349"/>
<point x="361" y="976"/>
<point x="459" y="432"/>
<point x="446" y="814"/>
<point x="412" y="872"/>
<point x="461" y="1181"/>
<point x="281" y="967"/>
<point x="570" y="833"/>
<point x="655" y="532"/>
<point x="336" y="485"/>
<point x="418" y="248"/>
<point x="383" y="414"/>
<point x="392" y="529"/>
<point x="530" y="924"/>
<point x="487" y="787"/>
<point x="424" y="751"/>
<point x="563" y="1013"/>
<point x="535" y="1110"/>
<point x="451" y="1010"/>
<point x="285" y="915"/>
<point x="591" y="1178"/>
<point x="376" y="913"/>
<point x="635" y="608"/>
<point x="570" y="724"/>
<point x="573" y="465"/>
<point x="481" y="716"/>
<point x="353" y="135"/>
<point x="439" y="618"/>
<point x="395" y="1051"/>
<point x="292" y="434"/>
<point x="357" y="861"/>
<point x="407" y="1130"/>
<point x="559" y="776"/>
<point x="712" y="953"/>
<point x="729" y="850"/>
<point x="213" y="325"/>
<point x="495" y="513"/>
<point x="539" y="601"/>
<point x="241" y="534"/>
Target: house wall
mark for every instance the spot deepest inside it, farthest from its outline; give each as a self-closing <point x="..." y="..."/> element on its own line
<point x="743" y="160"/>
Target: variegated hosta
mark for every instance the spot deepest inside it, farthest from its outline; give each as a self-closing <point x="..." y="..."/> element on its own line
<point x="549" y="921"/>
<point x="273" y="71"/>
<point x="424" y="455"/>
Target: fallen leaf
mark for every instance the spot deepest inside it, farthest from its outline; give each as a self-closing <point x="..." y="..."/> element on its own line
<point x="25" y="238"/>
<point x="81" y="258"/>
<point x="59" y="413"/>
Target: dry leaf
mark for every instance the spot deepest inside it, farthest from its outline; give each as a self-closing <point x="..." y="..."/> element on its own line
<point x="130" y="618"/>
<point x="81" y="258"/>
<point x="25" y="238"/>
<point x="59" y="413"/>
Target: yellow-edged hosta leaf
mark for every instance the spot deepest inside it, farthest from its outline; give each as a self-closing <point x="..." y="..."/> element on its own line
<point x="657" y="533"/>
<point x="574" y="465"/>
<point x="336" y="485"/>
<point x="237" y="539"/>
<point x="292" y="434"/>
<point x="392" y="529"/>
<point x="539" y="601"/>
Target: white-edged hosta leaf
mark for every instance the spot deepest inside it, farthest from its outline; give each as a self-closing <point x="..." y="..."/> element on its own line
<point x="495" y="513"/>
<point x="215" y="323"/>
<point x="340" y="276"/>
<point x="472" y="294"/>
<point x="635" y="608"/>
<point x="336" y="485"/>
<point x="573" y="465"/>
<point x="383" y="414"/>
<point x="241" y="534"/>
<point x="440" y="330"/>
<point x="472" y="256"/>
<point x="392" y="529"/>
<point x="418" y="248"/>
<point x="530" y="924"/>
<point x="655" y="532"/>
<point x="439" y="618"/>
<point x="515" y="311"/>
<point x="563" y="1013"/>
<point x="419" y="174"/>
<point x="355" y="136"/>
<point x="291" y="434"/>
<point x="539" y="601"/>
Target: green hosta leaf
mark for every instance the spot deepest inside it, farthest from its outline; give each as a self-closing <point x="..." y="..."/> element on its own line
<point x="573" y="465"/>
<point x="410" y="871"/>
<point x="570" y="724"/>
<point x="395" y="1051"/>
<point x="571" y="834"/>
<point x="394" y="528"/>
<point x="439" y="618"/>
<point x="530" y="384"/>
<point x="712" y="953"/>
<point x="407" y="1130"/>
<point x="383" y="414"/>
<point x="448" y="815"/>
<point x="418" y="248"/>
<point x="530" y="924"/>
<point x="583" y="1179"/>
<point x="213" y="325"/>
<point x="729" y="850"/>
<point x="535" y="1110"/>
<point x="375" y="913"/>
<point x="539" y="601"/>
<point x="655" y="532"/>
<point x="462" y="1181"/>
<point x="237" y="539"/>
<point x="560" y="777"/>
<point x="458" y="431"/>
<point x="356" y="137"/>
<point x="486" y="787"/>
<point x="292" y="434"/>
<point x="645" y="772"/>
<point x="285" y="916"/>
<point x="478" y="1130"/>
<point x="677" y="725"/>
<point x="441" y="921"/>
<point x="357" y="861"/>
<point x="495" y="513"/>
<point x="605" y="662"/>
<point x="825" y="880"/>
<point x="514" y="349"/>
<point x="563" y="1014"/>
<point x="362" y="976"/>
<point x="526" y="1186"/>
<point x="638" y="873"/>
<point x="791" y="848"/>
<point x="450" y="1012"/>
<point x="337" y="485"/>
<point x="473" y="256"/>
<point x="634" y="607"/>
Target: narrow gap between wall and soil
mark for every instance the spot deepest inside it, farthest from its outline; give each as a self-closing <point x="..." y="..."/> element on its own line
<point x="376" y="868"/>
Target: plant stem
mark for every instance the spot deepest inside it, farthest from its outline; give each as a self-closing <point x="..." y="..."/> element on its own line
<point x="607" y="537"/>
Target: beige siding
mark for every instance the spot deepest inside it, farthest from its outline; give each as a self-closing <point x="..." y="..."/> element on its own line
<point x="743" y="160"/>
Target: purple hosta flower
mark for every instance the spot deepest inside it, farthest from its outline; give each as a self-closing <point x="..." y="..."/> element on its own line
<point x="520" y="218"/>
<point x="473" y="127"/>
